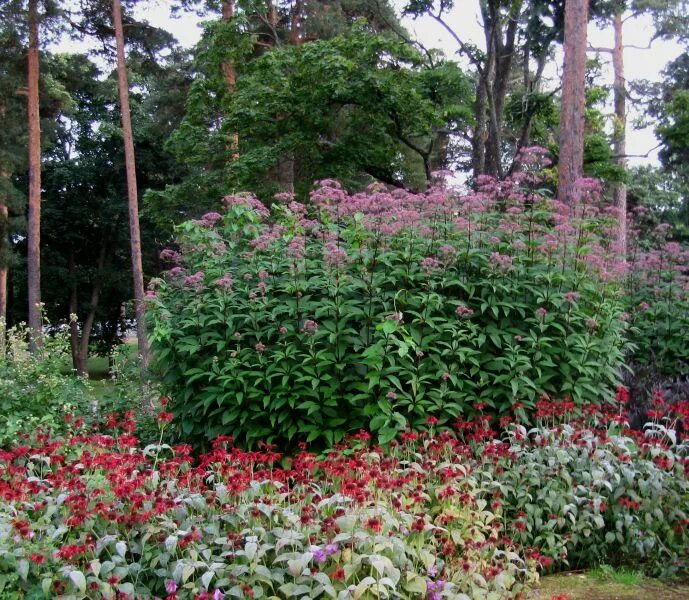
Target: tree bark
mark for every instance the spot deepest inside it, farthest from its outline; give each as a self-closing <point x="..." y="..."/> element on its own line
<point x="130" y="166"/>
<point x="620" y="129"/>
<point x="4" y="250"/>
<point x="80" y="343"/>
<point x="571" y="161"/>
<point x="34" y="200"/>
<point x="295" y="23"/>
<point x="503" y="50"/>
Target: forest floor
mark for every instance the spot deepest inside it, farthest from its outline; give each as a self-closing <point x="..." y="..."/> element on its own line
<point x="609" y="584"/>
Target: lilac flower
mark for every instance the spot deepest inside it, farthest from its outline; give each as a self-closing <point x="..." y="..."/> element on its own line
<point x="248" y="200"/>
<point x="171" y="256"/>
<point x="333" y="255"/>
<point x="429" y="264"/>
<point x="319" y="555"/>
<point x="502" y="261"/>
<point x="464" y="311"/>
<point x="310" y="327"/>
<point x="331" y="549"/>
<point x="194" y="281"/>
<point x="225" y="281"/>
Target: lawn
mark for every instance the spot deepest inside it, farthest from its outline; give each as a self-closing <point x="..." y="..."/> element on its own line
<point x="608" y="584"/>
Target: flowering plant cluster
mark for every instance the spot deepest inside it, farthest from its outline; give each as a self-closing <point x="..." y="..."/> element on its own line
<point x="33" y="390"/>
<point x="377" y="309"/>
<point x="659" y="297"/>
<point x="96" y="516"/>
<point x="436" y="514"/>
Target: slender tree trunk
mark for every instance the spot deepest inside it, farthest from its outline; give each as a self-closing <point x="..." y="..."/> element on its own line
<point x="34" y="200"/>
<point x="478" y="142"/>
<point x="620" y="130"/>
<point x="4" y="249"/>
<point x="295" y="23"/>
<point x="135" y="235"/>
<point x="571" y="162"/>
<point x="503" y="68"/>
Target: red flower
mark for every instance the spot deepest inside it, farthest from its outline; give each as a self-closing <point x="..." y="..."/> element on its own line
<point x="165" y="417"/>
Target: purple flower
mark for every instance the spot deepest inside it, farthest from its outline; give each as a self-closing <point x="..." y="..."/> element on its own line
<point x="319" y="555"/>
<point x="310" y="327"/>
<point x="429" y="264"/>
<point x="170" y="256"/>
<point x="218" y="595"/>
<point x="170" y="586"/>
<point x="331" y="549"/>
<point x="464" y="311"/>
<point x="502" y="261"/>
<point x="225" y="281"/>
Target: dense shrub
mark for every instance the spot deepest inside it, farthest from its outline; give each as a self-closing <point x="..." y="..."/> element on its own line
<point x="34" y="391"/>
<point x="381" y="308"/>
<point x="433" y="515"/>
<point x="659" y="300"/>
<point x="94" y="516"/>
<point x="590" y="496"/>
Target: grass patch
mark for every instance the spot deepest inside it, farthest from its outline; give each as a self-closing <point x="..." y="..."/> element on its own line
<point x="607" y="583"/>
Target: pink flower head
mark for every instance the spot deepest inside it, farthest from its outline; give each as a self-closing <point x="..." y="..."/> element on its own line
<point x="310" y="327"/>
<point x="225" y="281"/>
<point x="464" y="311"/>
<point x="429" y="264"/>
<point x="501" y="261"/>
<point x="260" y="347"/>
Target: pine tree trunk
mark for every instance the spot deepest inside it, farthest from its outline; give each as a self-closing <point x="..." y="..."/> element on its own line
<point x="620" y="130"/>
<point x="34" y="200"/>
<point x="130" y="165"/>
<point x="4" y="250"/>
<point x="571" y="161"/>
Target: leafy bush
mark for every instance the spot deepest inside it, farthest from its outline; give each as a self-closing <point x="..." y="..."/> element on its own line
<point x="586" y="497"/>
<point x="659" y="301"/>
<point x="33" y="390"/>
<point x="432" y="515"/>
<point x="96" y="516"/>
<point x="378" y="309"/>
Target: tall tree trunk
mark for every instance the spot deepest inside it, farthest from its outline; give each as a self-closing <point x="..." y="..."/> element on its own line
<point x="230" y="74"/>
<point x="130" y="165"/>
<point x="620" y="130"/>
<point x="571" y="162"/>
<point x="4" y="247"/>
<point x="501" y="50"/>
<point x="34" y="200"/>
<point x="478" y="141"/>
<point x="295" y="23"/>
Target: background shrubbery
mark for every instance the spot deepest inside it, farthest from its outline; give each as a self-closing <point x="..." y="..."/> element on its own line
<point x="379" y="309"/>
<point x="33" y="389"/>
